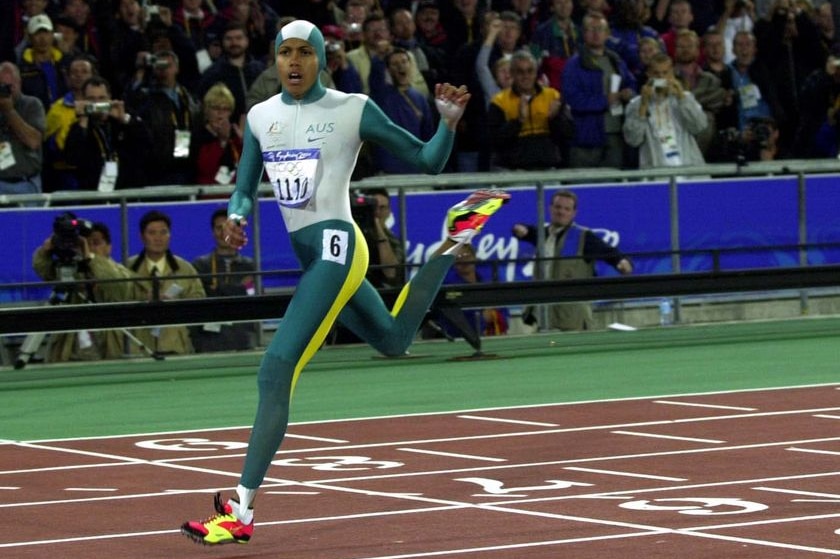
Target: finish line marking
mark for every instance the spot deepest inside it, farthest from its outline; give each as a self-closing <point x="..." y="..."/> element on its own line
<point x="696" y="405"/>
<point x="627" y="474"/>
<point x="453" y="455"/>
<point x="654" y="436"/>
<point x="515" y="421"/>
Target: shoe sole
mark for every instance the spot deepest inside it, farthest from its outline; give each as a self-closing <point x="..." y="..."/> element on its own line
<point x="199" y="539"/>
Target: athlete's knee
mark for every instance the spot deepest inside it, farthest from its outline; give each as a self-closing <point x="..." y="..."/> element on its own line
<point x="276" y="368"/>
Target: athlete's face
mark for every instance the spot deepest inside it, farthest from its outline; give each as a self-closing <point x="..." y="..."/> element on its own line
<point x="297" y="64"/>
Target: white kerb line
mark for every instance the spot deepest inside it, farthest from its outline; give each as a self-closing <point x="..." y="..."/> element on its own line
<point x="696" y="405"/>
<point x="515" y="421"/>
<point x="655" y="436"/>
<point x="453" y="455"/>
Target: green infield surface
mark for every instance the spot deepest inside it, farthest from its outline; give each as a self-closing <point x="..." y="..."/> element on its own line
<point x="342" y="382"/>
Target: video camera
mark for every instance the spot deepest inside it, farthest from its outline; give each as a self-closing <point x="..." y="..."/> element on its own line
<point x="67" y="230"/>
<point x="363" y="209"/>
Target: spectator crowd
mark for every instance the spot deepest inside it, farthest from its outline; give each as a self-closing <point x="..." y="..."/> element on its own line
<point x="110" y="94"/>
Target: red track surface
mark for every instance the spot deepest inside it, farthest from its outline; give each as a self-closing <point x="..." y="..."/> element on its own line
<point x="747" y="474"/>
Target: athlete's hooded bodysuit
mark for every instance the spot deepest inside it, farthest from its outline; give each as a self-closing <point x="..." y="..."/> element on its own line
<point x="309" y="148"/>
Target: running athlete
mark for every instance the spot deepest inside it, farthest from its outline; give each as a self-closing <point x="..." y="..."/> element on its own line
<point x="307" y="138"/>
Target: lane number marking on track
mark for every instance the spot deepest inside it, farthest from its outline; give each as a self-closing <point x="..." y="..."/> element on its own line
<point x="496" y="488"/>
<point x="698" y="506"/>
<point x="339" y="463"/>
<point x="191" y="445"/>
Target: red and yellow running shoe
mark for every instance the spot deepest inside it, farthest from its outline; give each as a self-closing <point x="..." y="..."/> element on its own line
<point x="223" y="527"/>
<point x="466" y="218"/>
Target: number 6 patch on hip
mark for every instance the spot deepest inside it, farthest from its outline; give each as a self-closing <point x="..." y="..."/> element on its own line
<point x="334" y="245"/>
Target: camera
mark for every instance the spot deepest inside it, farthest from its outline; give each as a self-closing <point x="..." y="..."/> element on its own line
<point x="5" y="90"/>
<point x="152" y="61"/>
<point x="98" y="108"/>
<point x="659" y="83"/>
<point x="67" y="230"/>
<point x="333" y="47"/>
<point x="762" y="132"/>
<point x="354" y="27"/>
<point x="363" y="209"/>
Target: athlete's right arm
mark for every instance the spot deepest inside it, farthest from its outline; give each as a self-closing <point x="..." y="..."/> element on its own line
<point x="248" y="175"/>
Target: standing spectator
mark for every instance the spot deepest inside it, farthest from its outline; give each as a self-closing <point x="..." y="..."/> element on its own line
<point x="161" y="33"/>
<point x="788" y="42"/>
<point x="705" y="87"/>
<point x="258" y="20"/>
<point x="401" y="102"/>
<point x="596" y="84"/>
<point x="375" y="31"/>
<point x="235" y="68"/>
<point x="225" y="273"/>
<point x="823" y="16"/>
<point x="22" y="11"/>
<point x="570" y="252"/>
<point x="462" y="20"/>
<point x="737" y="15"/>
<point x="91" y="259"/>
<point x="432" y="37"/>
<point x="527" y="123"/>
<point x="171" y="113"/>
<point x="755" y="93"/>
<point x="628" y="28"/>
<point x="162" y="276"/>
<point x="344" y="75"/>
<point x="196" y="21"/>
<point x="403" y="33"/>
<point x="42" y="65"/>
<point x="680" y="17"/>
<point x="127" y="32"/>
<point x="555" y="41"/>
<point x="22" y="125"/>
<point x="498" y="78"/>
<point x="106" y="146"/>
<point x="217" y="143"/>
<point x="817" y="133"/>
<point x="80" y="13"/>
<point x="714" y="51"/>
<point x="60" y="118"/>
<point x="663" y="120"/>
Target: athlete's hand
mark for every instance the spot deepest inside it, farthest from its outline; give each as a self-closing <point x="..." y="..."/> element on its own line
<point x="450" y="102"/>
<point x="235" y="235"/>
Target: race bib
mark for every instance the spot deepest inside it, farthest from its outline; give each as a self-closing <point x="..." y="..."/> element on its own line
<point x="292" y="174"/>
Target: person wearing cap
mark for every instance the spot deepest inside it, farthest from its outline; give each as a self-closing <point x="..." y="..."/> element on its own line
<point x="42" y="64"/>
<point x="307" y="138"/>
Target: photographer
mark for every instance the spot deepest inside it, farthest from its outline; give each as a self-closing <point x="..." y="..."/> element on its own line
<point x="372" y="212"/>
<point x="79" y="250"/>
<point x="664" y="119"/>
<point x="22" y="124"/>
<point x="106" y="145"/>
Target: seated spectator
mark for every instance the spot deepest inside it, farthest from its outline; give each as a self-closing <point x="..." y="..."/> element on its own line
<point x="216" y="144"/>
<point x="196" y="22"/>
<point x="755" y="92"/>
<point x="225" y="273"/>
<point x="83" y="252"/>
<point x="22" y="124"/>
<point x="403" y="104"/>
<point x="403" y="35"/>
<point x="162" y="276"/>
<point x="663" y="120"/>
<point x="257" y="19"/>
<point x="432" y="38"/>
<point x="528" y="124"/>
<point x="344" y="75"/>
<point x="171" y="113"/>
<point x="555" y="41"/>
<point x="737" y="15"/>
<point x="680" y="18"/>
<point x="106" y="146"/>
<point x="727" y="116"/>
<point x="385" y="248"/>
<point x="161" y="34"/>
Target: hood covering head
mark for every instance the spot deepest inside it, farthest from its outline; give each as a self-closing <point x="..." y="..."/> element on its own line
<point x="302" y="29"/>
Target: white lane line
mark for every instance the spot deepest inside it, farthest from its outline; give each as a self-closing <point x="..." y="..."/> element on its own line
<point x="671" y="437"/>
<point x="627" y="474"/>
<point x="834" y="497"/>
<point x="827" y="416"/>
<point x="9" y="488"/>
<point x="813" y="451"/>
<point x="453" y="455"/>
<point x="696" y="405"/>
<point x="103" y="489"/>
<point x="311" y="438"/>
<point x="514" y="421"/>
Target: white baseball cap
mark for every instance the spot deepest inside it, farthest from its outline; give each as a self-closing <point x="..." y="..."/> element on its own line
<point x="41" y="22"/>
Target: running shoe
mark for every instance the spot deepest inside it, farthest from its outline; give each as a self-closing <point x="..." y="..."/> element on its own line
<point x="223" y="527"/>
<point x="466" y="218"/>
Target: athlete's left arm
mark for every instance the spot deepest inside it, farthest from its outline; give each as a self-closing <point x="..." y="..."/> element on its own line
<point x="429" y="157"/>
